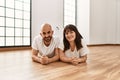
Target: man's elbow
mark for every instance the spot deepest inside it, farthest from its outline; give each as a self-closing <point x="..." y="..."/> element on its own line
<point x="33" y="58"/>
<point x="57" y="57"/>
<point x="62" y="58"/>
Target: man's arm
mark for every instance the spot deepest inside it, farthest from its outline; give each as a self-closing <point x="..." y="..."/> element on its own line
<point x="55" y="57"/>
<point x="35" y="56"/>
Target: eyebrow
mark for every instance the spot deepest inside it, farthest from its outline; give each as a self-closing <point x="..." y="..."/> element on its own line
<point x="47" y="32"/>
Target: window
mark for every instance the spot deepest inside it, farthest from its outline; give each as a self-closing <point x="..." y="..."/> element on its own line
<point x="70" y="12"/>
<point x="15" y="23"/>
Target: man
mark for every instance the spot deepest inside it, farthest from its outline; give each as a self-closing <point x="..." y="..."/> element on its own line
<point x="45" y="46"/>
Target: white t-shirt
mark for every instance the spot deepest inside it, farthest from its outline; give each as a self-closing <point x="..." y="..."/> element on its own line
<point x="83" y="51"/>
<point x="39" y="45"/>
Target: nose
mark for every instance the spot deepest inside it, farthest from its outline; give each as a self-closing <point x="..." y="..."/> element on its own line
<point x="68" y="34"/>
<point x="46" y="35"/>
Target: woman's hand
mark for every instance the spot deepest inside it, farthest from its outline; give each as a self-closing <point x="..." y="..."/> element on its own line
<point x="74" y="61"/>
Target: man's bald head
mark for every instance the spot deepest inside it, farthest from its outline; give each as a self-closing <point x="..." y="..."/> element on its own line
<point x="45" y="27"/>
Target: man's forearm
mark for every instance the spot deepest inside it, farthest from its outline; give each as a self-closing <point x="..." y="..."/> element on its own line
<point x="55" y="58"/>
<point x="36" y="59"/>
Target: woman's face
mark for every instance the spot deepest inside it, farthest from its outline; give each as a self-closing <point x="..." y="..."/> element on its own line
<point x="70" y="35"/>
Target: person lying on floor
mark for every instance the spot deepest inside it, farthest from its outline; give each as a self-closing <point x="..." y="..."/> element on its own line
<point x="45" y="46"/>
<point x="73" y="49"/>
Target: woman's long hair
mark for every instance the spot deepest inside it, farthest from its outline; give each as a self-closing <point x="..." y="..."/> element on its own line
<point x="78" y="38"/>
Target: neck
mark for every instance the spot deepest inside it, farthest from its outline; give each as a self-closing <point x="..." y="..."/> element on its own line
<point x="47" y="43"/>
<point x="72" y="45"/>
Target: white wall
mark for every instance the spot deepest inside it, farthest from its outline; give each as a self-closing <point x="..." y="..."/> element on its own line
<point x="104" y="21"/>
<point x="83" y="17"/>
<point x="118" y="21"/>
<point x="98" y="20"/>
<point x="50" y="11"/>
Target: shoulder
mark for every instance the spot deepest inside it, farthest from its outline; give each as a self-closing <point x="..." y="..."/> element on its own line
<point x="83" y="42"/>
<point x="84" y="50"/>
<point x="61" y="46"/>
<point x="56" y="39"/>
<point x="37" y="38"/>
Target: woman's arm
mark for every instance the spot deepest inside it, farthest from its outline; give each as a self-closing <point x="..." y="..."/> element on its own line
<point x="82" y="59"/>
<point x="63" y="57"/>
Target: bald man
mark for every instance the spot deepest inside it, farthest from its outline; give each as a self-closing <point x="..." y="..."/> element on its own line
<point x="45" y="46"/>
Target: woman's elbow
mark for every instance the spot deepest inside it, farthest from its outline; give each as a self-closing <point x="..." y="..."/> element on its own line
<point x="84" y="59"/>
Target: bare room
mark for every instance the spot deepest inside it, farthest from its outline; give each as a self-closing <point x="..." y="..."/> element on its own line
<point x="59" y="39"/>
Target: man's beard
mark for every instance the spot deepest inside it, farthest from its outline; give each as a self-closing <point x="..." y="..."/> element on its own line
<point x="47" y="39"/>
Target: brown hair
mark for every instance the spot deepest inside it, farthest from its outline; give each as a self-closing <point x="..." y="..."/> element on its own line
<point x="77" y="39"/>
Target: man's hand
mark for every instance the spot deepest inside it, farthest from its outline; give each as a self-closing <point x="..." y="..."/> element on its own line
<point x="44" y="60"/>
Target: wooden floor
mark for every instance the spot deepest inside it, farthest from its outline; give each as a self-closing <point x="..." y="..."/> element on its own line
<point x="103" y="64"/>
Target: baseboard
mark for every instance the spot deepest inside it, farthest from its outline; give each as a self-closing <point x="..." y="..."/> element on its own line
<point x="90" y="45"/>
<point x="14" y="48"/>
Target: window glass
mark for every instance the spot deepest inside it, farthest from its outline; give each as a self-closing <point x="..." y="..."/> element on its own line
<point x="15" y="23"/>
<point x="69" y="12"/>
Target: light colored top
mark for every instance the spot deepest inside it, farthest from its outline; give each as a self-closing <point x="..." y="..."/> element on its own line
<point x="83" y="51"/>
<point x="39" y="45"/>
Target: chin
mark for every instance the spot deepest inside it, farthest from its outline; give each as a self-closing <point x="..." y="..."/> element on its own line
<point x="70" y="40"/>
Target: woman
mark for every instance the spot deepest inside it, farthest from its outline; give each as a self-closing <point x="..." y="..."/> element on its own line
<point x="73" y="50"/>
